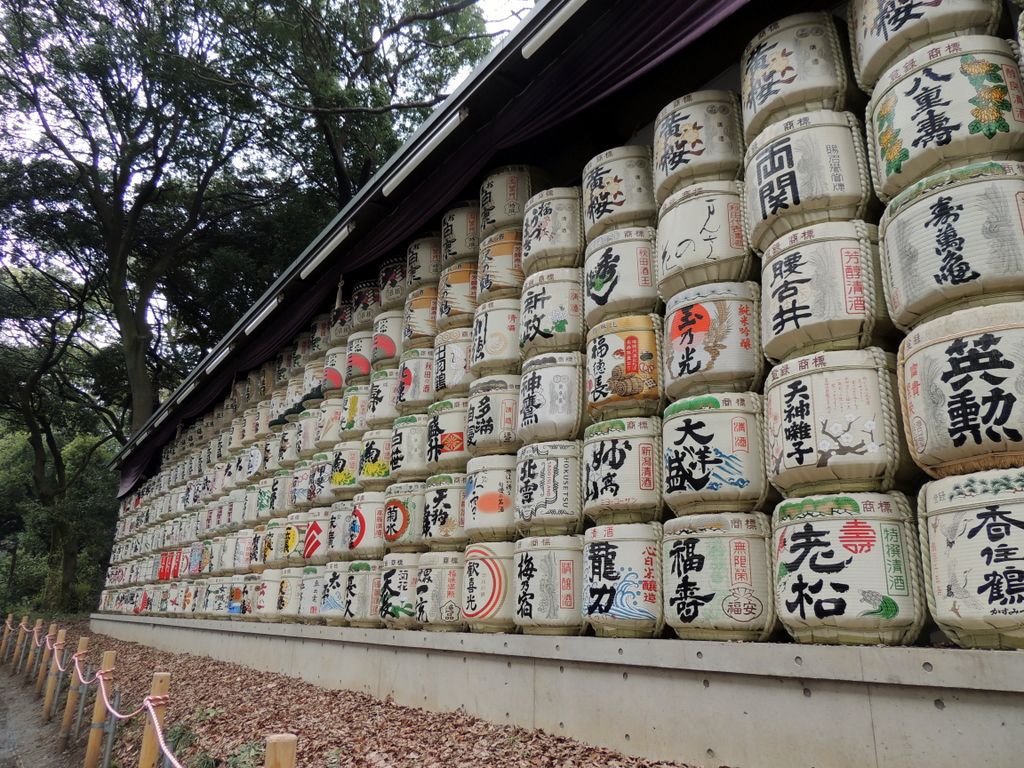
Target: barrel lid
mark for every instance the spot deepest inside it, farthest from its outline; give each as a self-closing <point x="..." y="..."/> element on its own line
<point x="622" y="235"/>
<point x="887" y="506"/>
<point x="553" y="193"/>
<point x="338" y="565"/>
<point x="731" y="523"/>
<point x="291" y="573"/>
<point x="627" y="425"/>
<point x="649" y="322"/>
<point x="793" y="124"/>
<point x="441" y="559"/>
<point x="401" y="559"/>
<point x="355" y="390"/>
<point x="453" y="334"/>
<point x="625" y="532"/>
<point x="818" y="233"/>
<point x="507" y="233"/>
<point x="345" y="506"/>
<point x="425" y="353"/>
<point x="486" y="550"/>
<point x="389" y="314"/>
<point x="700" y="190"/>
<point x="963" y="322"/>
<point x="508" y="305"/>
<point x="355" y="335"/>
<point x="312" y="570"/>
<point x="346" y="445"/>
<point x="376" y="434"/>
<point x="618" y="153"/>
<point x="459" y="266"/>
<point x="404" y="489"/>
<point x="501" y="382"/>
<point x="364" y="565"/>
<point x="574" y="543"/>
<point x="412" y="420"/>
<point x="452" y="404"/>
<point x="557" y="275"/>
<point x="553" y="448"/>
<point x="746" y="291"/>
<point x="818" y="362"/>
<point x="450" y="478"/>
<point x="506" y="461"/>
<point x="572" y="359"/>
<point x="749" y="402"/>
<point x="369" y="497"/>
<point x="698" y="97"/>
<point x="974" y="490"/>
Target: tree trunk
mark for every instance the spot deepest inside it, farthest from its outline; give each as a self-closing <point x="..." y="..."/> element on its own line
<point x="68" y="568"/>
<point x="10" y="573"/>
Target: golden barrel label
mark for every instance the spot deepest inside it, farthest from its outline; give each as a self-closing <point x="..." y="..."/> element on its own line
<point x="456" y="296"/>
<point x="623" y="367"/>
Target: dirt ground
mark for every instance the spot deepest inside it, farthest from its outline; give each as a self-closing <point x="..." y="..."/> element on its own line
<point x="26" y="741"/>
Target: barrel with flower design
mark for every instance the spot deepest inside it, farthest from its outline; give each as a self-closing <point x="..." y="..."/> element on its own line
<point x="551" y="312"/>
<point x="397" y="606"/>
<point x="375" y="459"/>
<point x="553" y="230"/>
<point x="618" y="190"/>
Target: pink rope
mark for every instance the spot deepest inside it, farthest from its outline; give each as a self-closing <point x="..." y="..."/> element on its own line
<point x="57" y="653"/>
<point x="78" y="671"/>
<point x="106" y="701"/>
<point x="35" y="637"/>
<point x="149" y="702"/>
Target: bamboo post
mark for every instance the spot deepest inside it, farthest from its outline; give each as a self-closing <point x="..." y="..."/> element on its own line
<point x="7" y="637"/>
<point x="281" y="749"/>
<point x="44" y="665"/>
<point x="51" y="678"/>
<point x="33" y="650"/>
<point x="22" y="629"/>
<point x="99" y="714"/>
<point x="108" y="742"/>
<point x="150" y="751"/>
<point x="73" y="686"/>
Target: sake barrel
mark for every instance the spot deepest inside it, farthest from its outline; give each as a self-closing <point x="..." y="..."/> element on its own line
<point x="267" y="608"/>
<point x="712" y="458"/>
<point x="375" y="460"/>
<point x="794" y="65"/>
<point x="701" y="237"/>
<point x="409" y="447"/>
<point x="882" y="33"/>
<point x="622" y="470"/>
<point x="444" y="516"/>
<point x="490" y="498"/>
<point x="847" y="569"/>
<point x="549" y="573"/>
<point x="295" y="537"/>
<point x="310" y="593"/>
<point x="971" y="529"/>
<point x="488" y="602"/>
<point x="314" y="543"/>
<point x="344" y="480"/>
<point x="500" y="266"/>
<point x="256" y="563"/>
<point x="397" y="605"/>
<point x="332" y="596"/>
<point x="495" y="338"/>
<point x="288" y="594"/>
<point x="548" y="496"/>
<point x="620" y="274"/>
<point x="281" y="493"/>
<point x="618" y="190"/>
<point x="339" y="530"/>
<point x="804" y="170"/>
<point x="329" y="433"/>
<point x="460" y="233"/>
<point x="383" y="407"/>
<point x="392" y="284"/>
<point x="697" y="137"/>
<point x="551" y="312"/>
<point x="387" y="339"/>
<point x="712" y="339"/>
<point x="553" y="230"/>
<point x="503" y="196"/>
<point x="312" y="377"/>
<point x="456" y="296"/>
<point x="357" y="403"/>
<point x="357" y="357"/>
<point x="365" y="304"/>
<point x="403" y="517"/>
<point x="624" y="368"/>
<point x="622" y="587"/>
<point x="419" y="324"/>
<point x="320" y="331"/>
<point x="300" y="356"/>
<point x="366" y="538"/>
<point x="415" y="381"/>
<point x="551" y="397"/>
<point x="446" y="435"/>
<point x="289" y="451"/>
<point x="309" y="429"/>
<point x="423" y="261"/>
<point x="452" y="351"/>
<point x="362" y="590"/>
<point x="941" y="107"/>
<point x="717" y="577"/>
<point x="954" y="240"/>
<point x="341" y="322"/>
<point x="831" y="424"/>
<point x="439" y="591"/>
<point x="961" y="377"/>
<point x="491" y="415"/>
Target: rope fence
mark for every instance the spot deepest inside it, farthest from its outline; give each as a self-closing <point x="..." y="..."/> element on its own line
<point x="45" y="656"/>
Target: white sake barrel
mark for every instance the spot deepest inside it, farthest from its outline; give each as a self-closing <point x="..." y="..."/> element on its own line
<point x="954" y="240"/>
<point x="620" y="274"/>
<point x="332" y="597"/>
<point x="250" y="594"/>
<point x="553" y="230"/>
<point x="265" y="498"/>
<point x="387" y="339"/>
<point x="339" y="530"/>
<point x="821" y="288"/>
<point x="243" y="553"/>
<point x="702" y="237"/>
<point x="713" y="459"/>
<point x="491" y="412"/>
<point x="794" y="65"/>
<point x="314" y="544"/>
<point x="503" y="196"/>
<point x="263" y="408"/>
<point x="972" y="531"/>
<point x="446" y="435"/>
<point x="341" y="322"/>
<point x="398" y="583"/>
<point x="549" y="582"/>
<point x="847" y="569"/>
<point x="256" y="564"/>
<point x="551" y="397"/>
<point x="357" y="403"/>
<point x="281" y="493"/>
<point x="383" y="406"/>
<point x="622" y="588"/>
<point x="618" y="190"/>
<point x="309" y="430"/>
<point x="362" y="593"/>
<point x="290" y="594"/>
<point x="267" y="595"/>
<point x="549" y="478"/>
<point x="409" y="447"/>
<point x="831" y="424"/>
<point x="717" y="576"/>
<point x="321" y="335"/>
<point x="500" y="266"/>
<point x="943" y="106"/>
<point x="881" y="33"/>
<point x="419" y="323"/>
<point x="622" y="470"/>
<point x="444" y="514"/>
<point x="456" y="296"/>
<point x="452" y="351"/>
<point x="367" y="534"/>
<point x="237" y="433"/>
<point x="345" y="469"/>
<point x="295" y="538"/>
<point x="415" y="381"/>
<point x="495" y="338"/>
<point x="392" y="284"/>
<point x="329" y="432"/>
<point x="551" y="312"/>
<point x="961" y="380"/>
<point x="490" y="498"/>
<point x="698" y="137"/>
<point x="423" y="261"/>
<point x="712" y="340"/>
<point x="358" y="351"/>
<point x="804" y="170"/>
<point x="403" y="517"/>
<point x="375" y="460"/>
<point x="488" y="601"/>
<point x="312" y="376"/>
<point x="624" y="367"/>
<point x="365" y="304"/>
<point x="300" y="484"/>
<point x="310" y="593"/>
<point x="250" y="420"/>
<point x="439" y="591"/>
<point x="460" y="233"/>
<point x="300" y="356"/>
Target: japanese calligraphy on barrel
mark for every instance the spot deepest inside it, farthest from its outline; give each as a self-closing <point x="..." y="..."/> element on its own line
<point x="375" y="460"/>
<point x="423" y="261"/>
<point x="333" y="381"/>
<point x="444" y="514"/>
<point x="344" y="480"/>
<point x="392" y="283"/>
<point x="409" y="447"/>
<point x="487" y="598"/>
<point x="397" y="605"/>
<point x="495" y="338"/>
<point x="620" y="274"/>
<point x="460" y="233"/>
<point x="452" y="352"/>
<point x="339" y="530"/>
<point x="456" y="296"/>
<point x="358" y="351"/>
<point x="353" y="417"/>
<point x="551" y="312"/>
<point x="551" y="397"/>
<point x="382" y="409"/>
<point x="622" y="470"/>
<point x="490" y="497"/>
<point x="548" y="583"/>
<point x="549" y="481"/>
<point x="622" y="584"/>
<point x="362" y="591"/>
<point x="439" y="591"/>
<point x="618" y="190"/>
<point x="492" y="408"/>
<point x="365" y="304"/>
<point x="332" y="596"/>
<point x="403" y="517"/>
<point x="553" y="230"/>
<point x="341" y="322"/>
<point x="366" y="537"/>
<point x="446" y="435"/>
<point x="419" y="323"/>
<point x="310" y="592"/>
<point x="624" y="367"/>
<point x="500" y="266"/>
<point x="388" y="336"/>
<point x="503" y="196"/>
